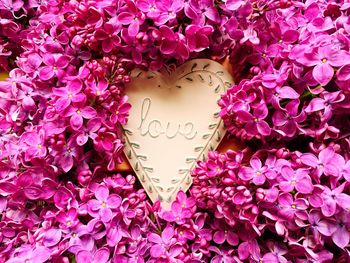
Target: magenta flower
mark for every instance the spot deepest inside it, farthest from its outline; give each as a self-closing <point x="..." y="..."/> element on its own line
<point x="150" y="8"/>
<point x="320" y="225"/>
<point x="35" y="144"/>
<point x="198" y="37"/>
<point x="104" y="203"/>
<point x="333" y="198"/>
<point x="100" y="256"/>
<point x="92" y="126"/>
<point x="98" y="88"/>
<point x="165" y="245"/>
<point x="341" y="236"/>
<point x="69" y="153"/>
<point x="104" y="140"/>
<point x="328" y="162"/>
<point x="255" y="123"/>
<point x="67" y="95"/>
<point x="55" y="65"/>
<point x="292" y="207"/>
<point x="109" y="36"/>
<point x="133" y="18"/>
<point x="68" y="219"/>
<point x="199" y="10"/>
<point x="222" y="235"/>
<point x="256" y="172"/>
<point x="168" y="9"/>
<point x="177" y="214"/>
<point x="173" y="43"/>
<point x="298" y="180"/>
<point x="287" y="120"/>
<point x="324" y="59"/>
<point x="120" y="111"/>
<point x="39" y="254"/>
<point x="184" y="201"/>
<point x="77" y="112"/>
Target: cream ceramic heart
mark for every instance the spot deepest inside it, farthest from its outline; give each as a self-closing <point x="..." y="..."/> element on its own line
<point x="173" y="122"/>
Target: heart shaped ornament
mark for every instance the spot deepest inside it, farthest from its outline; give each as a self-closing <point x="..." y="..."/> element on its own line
<point x="174" y="121"/>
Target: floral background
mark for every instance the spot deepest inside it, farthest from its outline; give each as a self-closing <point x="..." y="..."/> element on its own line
<point x="63" y="104"/>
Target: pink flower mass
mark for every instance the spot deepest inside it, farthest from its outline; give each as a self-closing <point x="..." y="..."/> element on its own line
<point x="284" y="197"/>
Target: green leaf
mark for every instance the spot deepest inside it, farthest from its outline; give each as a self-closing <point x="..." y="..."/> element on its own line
<point x="148" y="169"/>
<point x="137" y="166"/>
<point x="190" y="159"/>
<point x="198" y="149"/>
<point x="206" y="136"/>
<point x="160" y="188"/>
<point x="156" y="180"/>
<point x="128" y="132"/>
<point x="217" y="89"/>
<point x="212" y="126"/>
<point x="129" y="154"/>
<point x="135" y="145"/>
<point x="194" y="66"/>
<point x="142" y="157"/>
<point x="183" y="171"/>
<point x="170" y="189"/>
<point x="174" y="181"/>
<point x="201" y="77"/>
<point x="228" y="84"/>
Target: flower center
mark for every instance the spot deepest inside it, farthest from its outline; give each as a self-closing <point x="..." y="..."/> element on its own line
<point x="117" y="112"/>
<point x="78" y="111"/>
<point x="98" y="93"/>
<point x="181" y="233"/>
<point x="293" y="182"/>
<point x="103" y="204"/>
<point x="68" y="223"/>
<point x="257" y="173"/>
<point x="40" y="146"/>
<point x="70" y="96"/>
<point x="177" y="218"/>
<point x="293" y="206"/>
<point x="324" y="60"/>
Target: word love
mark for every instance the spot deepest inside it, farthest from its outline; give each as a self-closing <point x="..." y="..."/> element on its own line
<point x="155" y="128"/>
<point x="173" y="122"/>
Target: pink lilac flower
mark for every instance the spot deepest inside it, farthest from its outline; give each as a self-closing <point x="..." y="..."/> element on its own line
<point x="198" y="37"/>
<point x="35" y="142"/>
<point x="67" y="95"/>
<point x="201" y="10"/>
<point x="68" y="219"/>
<point x="55" y="65"/>
<point x="109" y="36"/>
<point x="164" y="246"/>
<point x="292" y="207"/>
<point x="132" y="17"/>
<point x="255" y="123"/>
<point x="104" y="203"/>
<point x="100" y="256"/>
<point x="333" y="198"/>
<point x="341" y="235"/>
<point x="298" y="180"/>
<point x="120" y="111"/>
<point x="324" y="59"/>
<point x="256" y="172"/>
<point x="77" y="112"/>
<point x="328" y="162"/>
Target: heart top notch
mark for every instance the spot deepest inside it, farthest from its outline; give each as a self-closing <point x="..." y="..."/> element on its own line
<point x="174" y="121"/>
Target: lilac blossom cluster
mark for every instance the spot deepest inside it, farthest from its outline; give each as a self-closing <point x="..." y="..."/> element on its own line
<point x="63" y="105"/>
